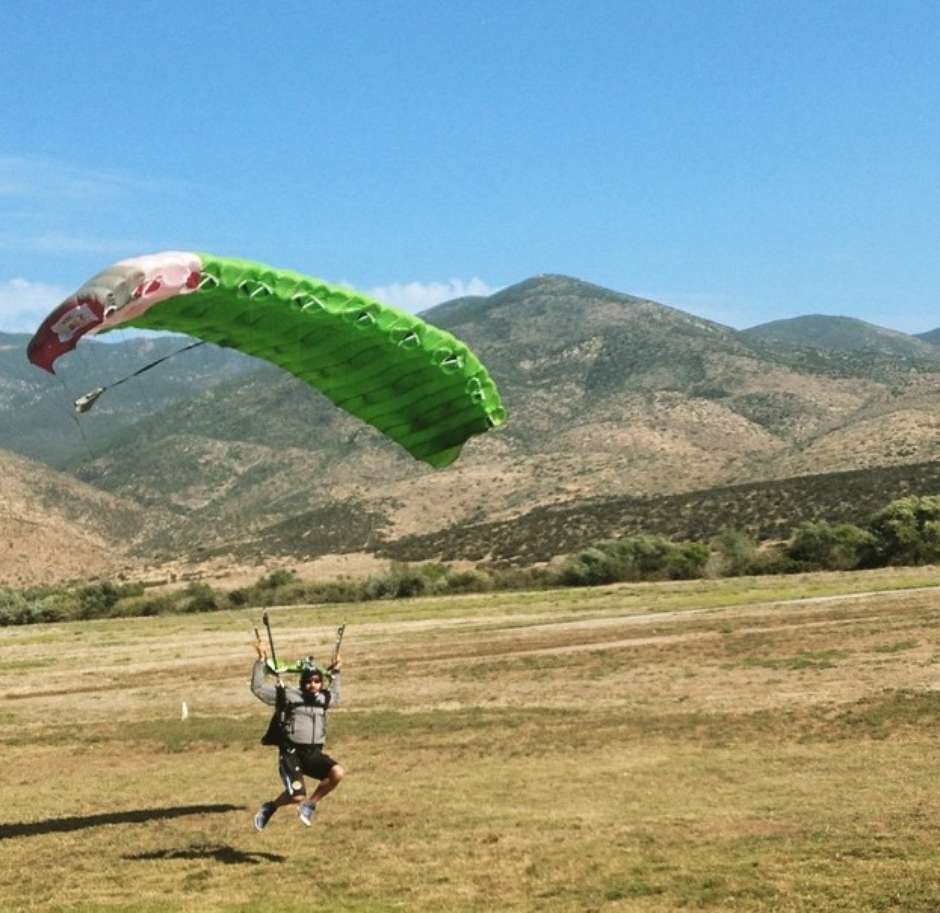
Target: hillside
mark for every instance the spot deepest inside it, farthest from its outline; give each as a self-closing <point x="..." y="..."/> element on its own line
<point x="931" y="336"/>
<point x="840" y="334"/>
<point x="54" y="528"/>
<point x="609" y="395"/>
<point x="765" y="510"/>
<point x="240" y="456"/>
<point x="36" y="413"/>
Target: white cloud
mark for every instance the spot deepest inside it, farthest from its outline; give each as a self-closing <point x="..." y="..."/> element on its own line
<point x="415" y="297"/>
<point x="24" y="304"/>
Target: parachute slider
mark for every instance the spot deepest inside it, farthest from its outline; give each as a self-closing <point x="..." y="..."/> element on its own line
<point x="84" y="403"/>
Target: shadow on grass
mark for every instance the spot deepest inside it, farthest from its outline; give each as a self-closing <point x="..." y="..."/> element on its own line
<point x="227" y="855"/>
<point x="137" y="816"/>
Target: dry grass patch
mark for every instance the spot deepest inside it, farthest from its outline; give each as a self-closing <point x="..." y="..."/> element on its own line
<point x="637" y="748"/>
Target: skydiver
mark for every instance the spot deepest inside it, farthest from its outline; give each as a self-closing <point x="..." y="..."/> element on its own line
<point x="301" y="737"/>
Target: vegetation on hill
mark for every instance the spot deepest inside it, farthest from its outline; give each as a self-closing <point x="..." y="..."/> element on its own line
<point x="762" y="510"/>
<point x="36" y="412"/>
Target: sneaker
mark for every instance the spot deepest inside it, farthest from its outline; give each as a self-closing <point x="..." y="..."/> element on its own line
<point x="262" y="817"/>
<point x="305" y="813"/>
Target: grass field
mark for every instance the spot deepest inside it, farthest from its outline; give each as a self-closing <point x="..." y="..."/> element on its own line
<point x="758" y="744"/>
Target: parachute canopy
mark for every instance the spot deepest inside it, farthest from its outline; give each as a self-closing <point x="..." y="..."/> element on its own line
<point x="417" y="384"/>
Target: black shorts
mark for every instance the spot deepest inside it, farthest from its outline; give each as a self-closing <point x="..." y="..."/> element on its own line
<point x="293" y="761"/>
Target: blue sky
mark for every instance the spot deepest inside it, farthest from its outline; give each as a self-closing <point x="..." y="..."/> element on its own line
<point x="744" y="161"/>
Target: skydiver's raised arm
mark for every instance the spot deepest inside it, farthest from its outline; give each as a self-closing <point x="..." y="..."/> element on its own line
<point x="265" y="693"/>
<point x="334" y="669"/>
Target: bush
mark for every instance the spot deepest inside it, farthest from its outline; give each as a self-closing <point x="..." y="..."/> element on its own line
<point x="774" y="561"/>
<point x="907" y="531"/>
<point x="164" y="604"/>
<point x="199" y="597"/>
<point x="834" y="547"/>
<point x="401" y="581"/>
<point x="97" y="600"/>
<point x="521" y="578"/>
<point x="27" y="608"/>
<point x="590" y="567"/>
<point x="472" y="581"/>
<point x="687" y="560"/>
<point x="635" y="558"/>
<point x="277" y="579"/>
<point x="335" y="591"/>
<point x="737" y="553"/>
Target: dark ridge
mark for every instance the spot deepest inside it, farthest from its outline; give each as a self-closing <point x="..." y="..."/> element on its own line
<point x="766" y="510"/>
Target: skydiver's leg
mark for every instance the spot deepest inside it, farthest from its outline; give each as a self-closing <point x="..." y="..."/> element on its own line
<point x="286" y="798"/>
<point x="328" y="783"/>
<point x="295" y="790"/>
<point x="292" y="776"/>
<point x="327" y="771"/>
<point x="329" y="779"/>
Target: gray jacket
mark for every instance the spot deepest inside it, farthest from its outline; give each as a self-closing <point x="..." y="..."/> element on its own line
<point x="306" y="714"/>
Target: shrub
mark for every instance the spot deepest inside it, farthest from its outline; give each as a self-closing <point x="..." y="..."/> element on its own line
<point x="164" y="604"/>
<point x="521" y="578"/>
<point x="737" y="553"/>
<point x="335" y="591"/>
<point x="199" y="597"/>
<point x="277" y="578"/>
<point x="401" y="580"/>
<point x="590" y="567"/>
<point x="836" y="547"/>
<point x="774" y="561"/>
<point x="907" y="531"/>
<point x="27" y="608"/>
<point x="635" y="558"/>
<point x="98" y="599"/>
<point x="687" y="560"/>
<point x="471" y="581"/>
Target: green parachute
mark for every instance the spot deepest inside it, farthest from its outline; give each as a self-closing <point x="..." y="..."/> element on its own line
<point x="415" y="383"/>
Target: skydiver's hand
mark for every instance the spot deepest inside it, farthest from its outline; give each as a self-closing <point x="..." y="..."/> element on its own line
<point x="335" y="665"/>
<point x="262" y="653"/>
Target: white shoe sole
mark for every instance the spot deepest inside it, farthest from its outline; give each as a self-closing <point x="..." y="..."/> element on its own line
<point x="306" y="822"/>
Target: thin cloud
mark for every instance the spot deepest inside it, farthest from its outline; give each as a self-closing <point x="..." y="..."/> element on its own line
<point x="41" y="179"/>
<point x="415" y="297"/>
<point x="24" y="304"/>
<point x="62" y="242"/>
<point x="45" y="204"/>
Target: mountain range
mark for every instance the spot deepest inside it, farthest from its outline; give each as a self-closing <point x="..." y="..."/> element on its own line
<point x="609" y="396"/>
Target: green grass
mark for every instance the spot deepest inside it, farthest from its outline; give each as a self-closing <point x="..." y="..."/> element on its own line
<point x="805" y="659"/>
<point x="896" y="647"/>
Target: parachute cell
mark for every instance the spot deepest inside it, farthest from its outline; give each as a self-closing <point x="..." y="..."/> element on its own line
<point x="415" y="383"/>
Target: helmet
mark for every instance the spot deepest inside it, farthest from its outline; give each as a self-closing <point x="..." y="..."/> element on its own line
<point x="309" y="669"/>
